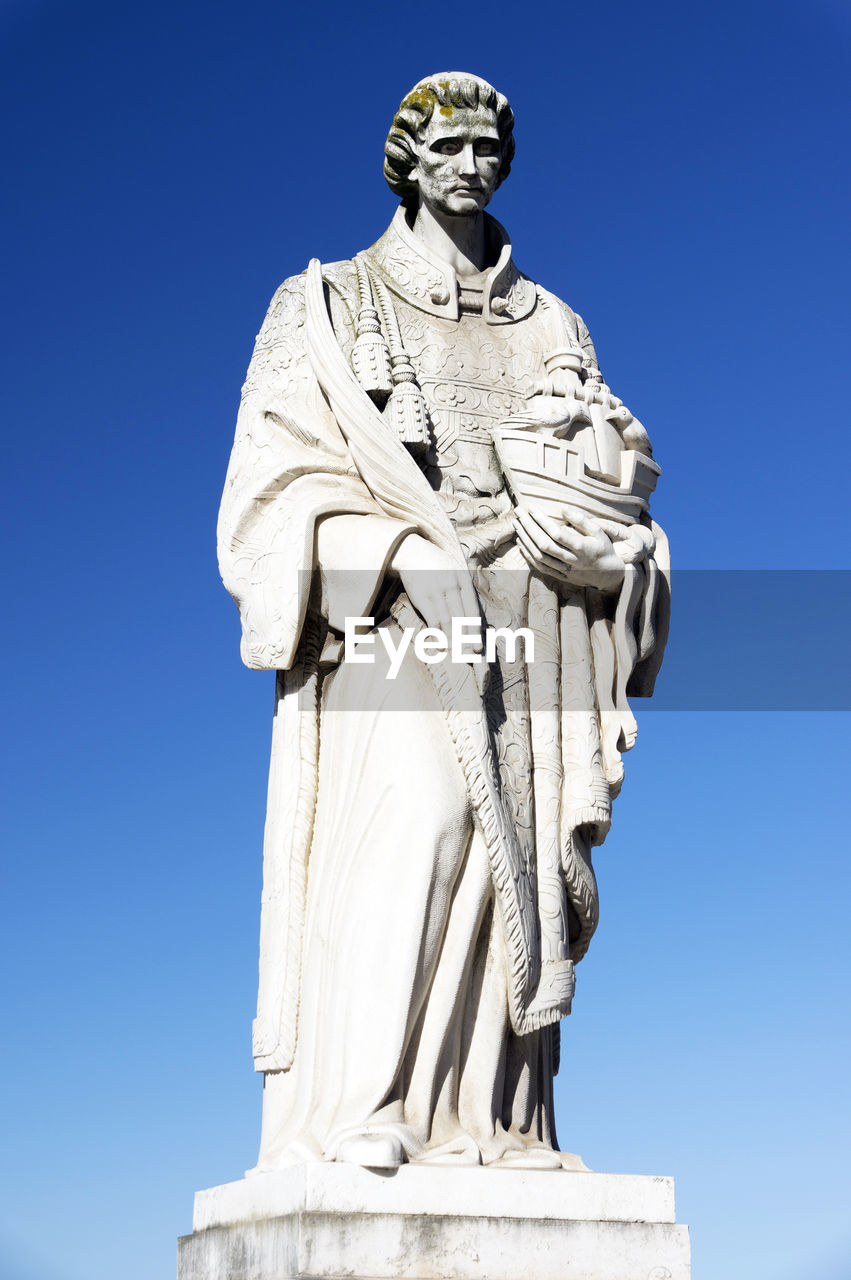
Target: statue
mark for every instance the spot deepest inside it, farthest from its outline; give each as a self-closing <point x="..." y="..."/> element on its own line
<point x="425" y="437"/>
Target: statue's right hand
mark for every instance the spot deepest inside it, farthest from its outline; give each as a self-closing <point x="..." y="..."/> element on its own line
<point x="435" y="585"/>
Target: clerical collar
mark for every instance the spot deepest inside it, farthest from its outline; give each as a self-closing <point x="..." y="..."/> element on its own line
<point x="424" y="280"/>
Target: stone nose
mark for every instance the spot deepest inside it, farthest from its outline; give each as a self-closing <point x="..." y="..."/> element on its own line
<point x="467" y="161"/>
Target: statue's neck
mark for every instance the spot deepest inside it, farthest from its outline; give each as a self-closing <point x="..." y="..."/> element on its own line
<point x="461" y="242"/>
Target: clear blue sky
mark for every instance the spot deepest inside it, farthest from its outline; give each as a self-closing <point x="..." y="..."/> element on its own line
<point x="681" y="179"/>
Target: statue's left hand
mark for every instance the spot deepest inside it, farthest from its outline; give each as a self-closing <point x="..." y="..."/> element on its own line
<point x="579" y="552"/>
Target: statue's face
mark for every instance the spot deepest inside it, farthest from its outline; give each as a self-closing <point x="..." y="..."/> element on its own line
<point x="458" y="159"/>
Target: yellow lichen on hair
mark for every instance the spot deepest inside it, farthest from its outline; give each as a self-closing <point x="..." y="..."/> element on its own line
<point x="422" y="98"/>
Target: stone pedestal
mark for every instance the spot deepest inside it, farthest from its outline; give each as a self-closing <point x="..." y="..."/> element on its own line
<point x="315" y="1222"/>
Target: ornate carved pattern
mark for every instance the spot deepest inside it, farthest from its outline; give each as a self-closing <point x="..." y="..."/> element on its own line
<point x="279" y="351"/>
<point x="519" y="295"/>
<point x="472" y="375"/>
<point x="410" y="272"/>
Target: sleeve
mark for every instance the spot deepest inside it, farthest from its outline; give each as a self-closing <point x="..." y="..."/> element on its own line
<point x="578" y="330"/>
<point x="589" y="358"/>
<point x="293" y="498"/>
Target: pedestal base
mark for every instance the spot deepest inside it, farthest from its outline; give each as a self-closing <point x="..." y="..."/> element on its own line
<point x="324" y="1221"/>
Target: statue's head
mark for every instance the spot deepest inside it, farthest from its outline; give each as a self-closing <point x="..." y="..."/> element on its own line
<point x="451" y="143"/>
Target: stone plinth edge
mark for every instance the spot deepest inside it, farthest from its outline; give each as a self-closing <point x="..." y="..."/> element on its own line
<point x="437" y="1192"/>
<point x="318" y="1222"/>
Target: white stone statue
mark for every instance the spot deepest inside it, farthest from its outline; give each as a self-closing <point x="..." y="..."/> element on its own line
<point x="425" y="436"/>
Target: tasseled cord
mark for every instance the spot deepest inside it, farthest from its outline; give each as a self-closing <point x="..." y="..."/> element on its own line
<point x="406" y="409"/>
<point x="370" y="354"/>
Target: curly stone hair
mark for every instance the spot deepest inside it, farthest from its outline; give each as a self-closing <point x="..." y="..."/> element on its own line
<point x="446" y="89"/>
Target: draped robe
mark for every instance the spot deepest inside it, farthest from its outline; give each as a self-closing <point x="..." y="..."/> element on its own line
<point x="427" y="883"/>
